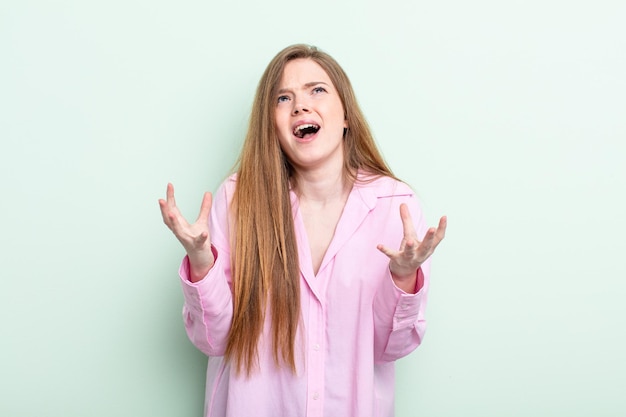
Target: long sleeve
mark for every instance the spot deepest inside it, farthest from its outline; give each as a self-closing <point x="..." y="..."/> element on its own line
<point x="208" y="307"/>
<point x="354" y="321"/>
<point x="399" y="318"/>
<point x="399" y="321"/>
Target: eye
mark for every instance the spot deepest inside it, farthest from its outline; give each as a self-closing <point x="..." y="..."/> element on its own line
<point x="282" y="99"/>
<point x="319" y="89"/>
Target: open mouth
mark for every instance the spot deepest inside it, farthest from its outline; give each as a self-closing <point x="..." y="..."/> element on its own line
<point x="305" y="130"/>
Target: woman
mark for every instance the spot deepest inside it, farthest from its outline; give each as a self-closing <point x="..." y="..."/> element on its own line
<point x="291" y="284"/>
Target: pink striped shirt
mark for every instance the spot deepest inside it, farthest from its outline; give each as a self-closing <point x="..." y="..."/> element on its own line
<point x="354" y="321"/>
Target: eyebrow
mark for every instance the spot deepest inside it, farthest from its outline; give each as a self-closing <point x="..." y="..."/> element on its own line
<point x="307" y="85"/>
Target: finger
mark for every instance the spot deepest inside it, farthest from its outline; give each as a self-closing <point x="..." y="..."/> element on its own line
<point x="175" y="220"/>
<point x="441" y="229"/>
<point x="171" y="201"/>
<point x="437" y="234"/>
<point x="205" y="208"/>
<point x="427" y="244"/>
<point x="174" y="223"/>
<point x="201" y="239"/>
<point x="387" y="251"/>
<point x="408" y="247"/>
<point x="164" y="211"/>
<point x="407" y="222"/>
<point x="433" y="237"/>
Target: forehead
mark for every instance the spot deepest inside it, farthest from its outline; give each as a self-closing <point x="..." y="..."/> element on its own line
<point x="301" y="71"/>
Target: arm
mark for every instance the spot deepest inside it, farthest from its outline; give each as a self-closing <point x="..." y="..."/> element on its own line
<point x="194" y="237"/>
<point x="399" y="319"/>
<point x="205" y="271"/>
<point x="400" y="302"/>
<point x="207" y="311"/>
<point x="406" y="261"/>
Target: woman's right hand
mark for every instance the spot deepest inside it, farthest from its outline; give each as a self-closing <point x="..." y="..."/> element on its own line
<point x="194" y="237"/>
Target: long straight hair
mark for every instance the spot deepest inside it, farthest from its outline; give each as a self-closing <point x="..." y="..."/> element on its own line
<point x="265" y="255"/>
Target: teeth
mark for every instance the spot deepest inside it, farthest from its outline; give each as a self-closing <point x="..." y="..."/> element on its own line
<point x="300" y="128"/>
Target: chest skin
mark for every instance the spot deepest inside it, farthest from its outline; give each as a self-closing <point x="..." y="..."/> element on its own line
<point x="320" y="222"/>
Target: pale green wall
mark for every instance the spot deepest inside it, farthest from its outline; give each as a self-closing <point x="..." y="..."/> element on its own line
<point x="509" y="117"/>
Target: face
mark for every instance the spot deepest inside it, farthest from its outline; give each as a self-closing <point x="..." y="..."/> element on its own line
<point x="310" y="118"/>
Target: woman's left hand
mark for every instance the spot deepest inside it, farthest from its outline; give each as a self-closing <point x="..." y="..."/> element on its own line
<point x="405" y="262"/>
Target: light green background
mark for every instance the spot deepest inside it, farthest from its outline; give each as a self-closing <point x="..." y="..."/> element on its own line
<point x="508" y="116"/>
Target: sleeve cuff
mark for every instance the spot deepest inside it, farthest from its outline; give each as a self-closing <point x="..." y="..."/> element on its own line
<point x="214" y="287"/>
<point x="407" y="306"/>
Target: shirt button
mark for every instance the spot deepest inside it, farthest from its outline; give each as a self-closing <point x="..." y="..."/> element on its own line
<point x="316" y="395"/>
<point x="316" y="347"/>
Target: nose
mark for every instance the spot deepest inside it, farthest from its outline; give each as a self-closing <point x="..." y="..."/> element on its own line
<point x="300" y="108"/>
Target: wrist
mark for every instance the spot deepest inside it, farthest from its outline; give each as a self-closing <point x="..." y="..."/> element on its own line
<point x="399" y="274"/>
<point x="200" y="264"/>
<point x="407" y="282"/>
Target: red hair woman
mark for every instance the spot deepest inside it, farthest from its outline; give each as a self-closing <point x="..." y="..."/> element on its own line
<point x="292" y="284"/>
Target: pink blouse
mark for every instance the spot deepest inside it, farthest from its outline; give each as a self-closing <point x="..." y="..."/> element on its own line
<point x="354" y="321"/>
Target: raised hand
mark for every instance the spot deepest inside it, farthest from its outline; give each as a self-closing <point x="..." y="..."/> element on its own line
<point x="404" y="262"/>
<point x="194" y="237"/>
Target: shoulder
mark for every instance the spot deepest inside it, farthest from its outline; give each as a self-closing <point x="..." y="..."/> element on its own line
<point x="382" y="186"/>
<point x="226" y="190"/>
<point x="229" y="183"/>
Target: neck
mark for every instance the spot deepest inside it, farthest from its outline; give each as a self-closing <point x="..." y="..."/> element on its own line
<point x="322" y="186"/>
